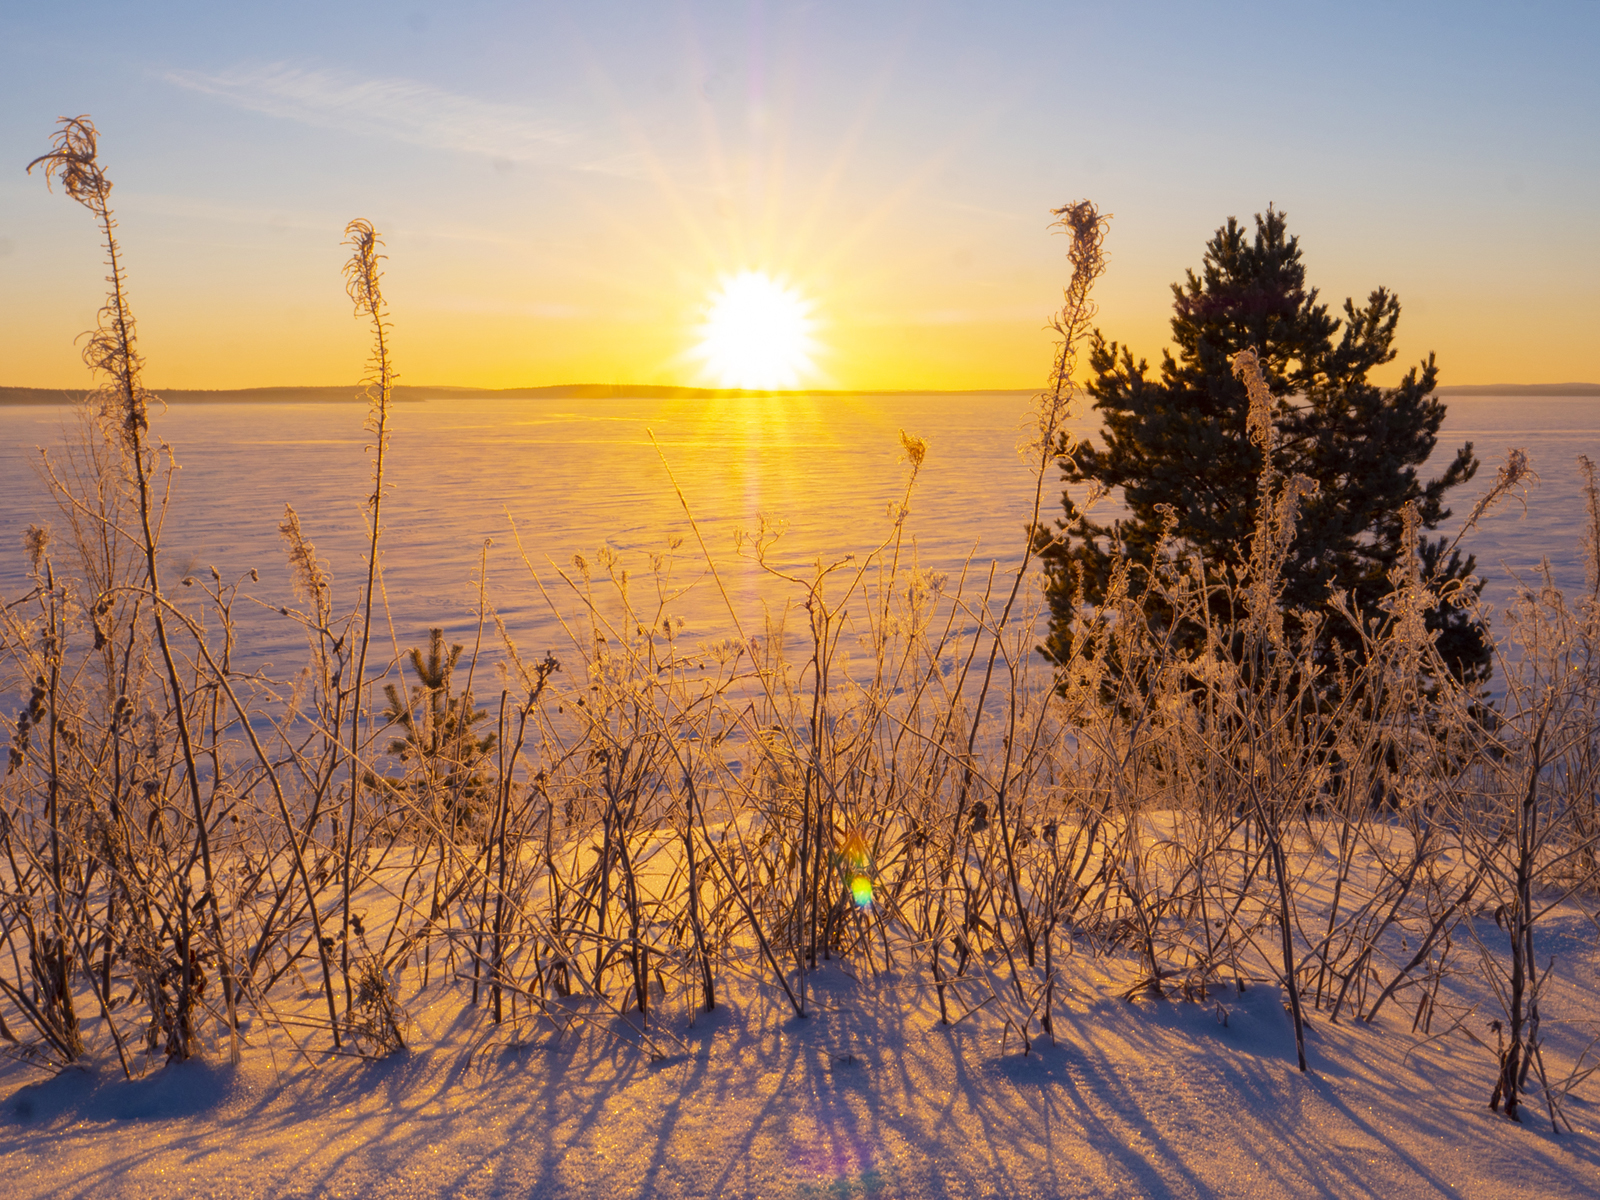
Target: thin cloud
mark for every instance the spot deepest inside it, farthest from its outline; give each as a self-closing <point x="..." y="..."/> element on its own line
<point x="545" y="310"/>
<point x="404" y="110"/>
<point x="1006" y="315"/>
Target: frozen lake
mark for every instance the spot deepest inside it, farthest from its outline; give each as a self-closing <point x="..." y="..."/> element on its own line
<point x="574" y="474"/>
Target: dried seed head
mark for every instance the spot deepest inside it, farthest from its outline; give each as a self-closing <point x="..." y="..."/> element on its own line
<point x="36" y="541"/>
<point x="1247" y="367"/>
<point x="914" y="448"/>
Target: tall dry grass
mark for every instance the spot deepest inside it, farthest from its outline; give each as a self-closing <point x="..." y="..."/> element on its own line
<point x="884" y="771"/>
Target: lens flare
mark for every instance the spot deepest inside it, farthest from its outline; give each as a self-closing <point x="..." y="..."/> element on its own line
<point x="856" y="865"/>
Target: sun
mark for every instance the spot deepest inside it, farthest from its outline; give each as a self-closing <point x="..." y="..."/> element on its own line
<point x="757" y="333"/>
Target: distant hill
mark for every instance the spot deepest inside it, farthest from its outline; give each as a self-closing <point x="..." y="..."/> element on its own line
<point x="406" y="393"/>
<point x="409" y="394"/>
<point x="1521" y="389"/>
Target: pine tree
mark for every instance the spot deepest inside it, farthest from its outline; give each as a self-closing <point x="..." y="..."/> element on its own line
<point x="439" y="725"/>
<point x="1179" y="439"/>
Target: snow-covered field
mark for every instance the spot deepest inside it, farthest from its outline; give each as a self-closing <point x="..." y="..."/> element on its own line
<point x="575" y="476"/>
<point x="869" y="1096"/>
<point x="1420" y="878"/>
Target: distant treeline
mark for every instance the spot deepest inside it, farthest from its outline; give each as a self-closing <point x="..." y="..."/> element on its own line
<point x="604" y="391"/>
<point x="404" y="394"/>
<point x="1522" y="389"/>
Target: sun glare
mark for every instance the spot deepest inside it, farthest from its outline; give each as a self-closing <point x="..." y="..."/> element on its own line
<point x="757" y="333"/>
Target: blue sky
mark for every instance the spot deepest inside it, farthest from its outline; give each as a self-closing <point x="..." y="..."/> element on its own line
<point x="561" y="185"/>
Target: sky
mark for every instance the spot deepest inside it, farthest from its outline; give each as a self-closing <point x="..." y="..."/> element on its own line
<point x="563" y="188"/>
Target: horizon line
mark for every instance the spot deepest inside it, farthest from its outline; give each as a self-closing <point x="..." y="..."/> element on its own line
<point x="349" y="393"/>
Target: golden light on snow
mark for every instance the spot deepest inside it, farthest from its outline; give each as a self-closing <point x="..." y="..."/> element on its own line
<point x="758" y="333"/>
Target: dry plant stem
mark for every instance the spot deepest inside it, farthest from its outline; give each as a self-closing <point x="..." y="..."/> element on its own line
<point x="1087" y="228"/>
<point x="798" y="1004"/>
<point x="57" y="959"/>
<point x="112" y="351"/>
<point x="1441" y="924"/>
<point x="708" y="994"/>
<point x="498" y="836"/>
<point x="1513" y="1068"/>
<point x="363" y="283"/>
<point x="795" y="1002"/>
<point x="298" y="838"/>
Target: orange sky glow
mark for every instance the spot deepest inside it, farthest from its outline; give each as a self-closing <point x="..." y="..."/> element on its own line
<point x="564" y="198"/>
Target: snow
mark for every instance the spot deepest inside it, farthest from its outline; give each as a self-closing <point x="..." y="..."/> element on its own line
<point x="868" y="1096"/>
